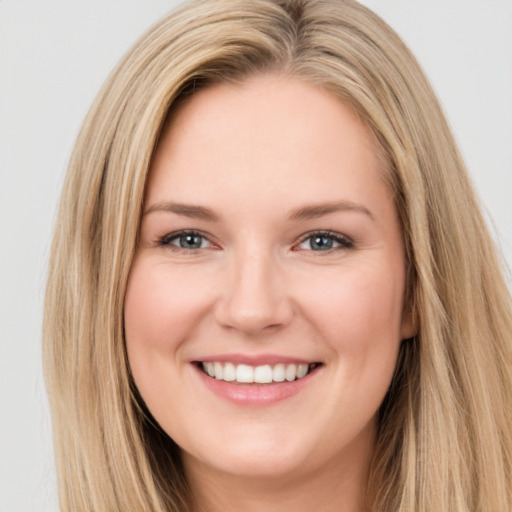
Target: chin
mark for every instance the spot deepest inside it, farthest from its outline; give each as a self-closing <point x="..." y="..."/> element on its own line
<point x="254" y="457"/>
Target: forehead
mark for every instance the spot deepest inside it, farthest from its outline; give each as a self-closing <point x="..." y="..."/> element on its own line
<point x="269" y="132"/>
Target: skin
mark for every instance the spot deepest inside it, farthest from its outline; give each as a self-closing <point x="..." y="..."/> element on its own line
<point x="255" y="154"/>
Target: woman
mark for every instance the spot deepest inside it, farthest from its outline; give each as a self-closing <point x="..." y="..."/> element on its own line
<point x="271" y="286"/>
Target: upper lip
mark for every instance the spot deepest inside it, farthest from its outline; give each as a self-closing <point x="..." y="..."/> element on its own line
<point x="253" y="359"/>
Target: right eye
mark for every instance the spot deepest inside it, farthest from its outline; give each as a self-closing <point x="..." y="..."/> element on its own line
<point x="186" y="240"/>
<point x="325" y="241"/>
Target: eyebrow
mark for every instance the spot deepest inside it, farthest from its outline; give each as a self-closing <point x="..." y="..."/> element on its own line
<point x="304" y="213"/>
<point x="319" y="210"/>
<point x="187" y="210"/>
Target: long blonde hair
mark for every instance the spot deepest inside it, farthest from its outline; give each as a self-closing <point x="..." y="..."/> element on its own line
<point x="445" y="428"/>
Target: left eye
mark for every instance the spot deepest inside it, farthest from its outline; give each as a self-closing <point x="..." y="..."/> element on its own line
<point x="325" y="242"/>
<point x="186" y="240"/>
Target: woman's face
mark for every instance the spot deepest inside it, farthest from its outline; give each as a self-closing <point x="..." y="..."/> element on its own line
<point x="270" y="251"/>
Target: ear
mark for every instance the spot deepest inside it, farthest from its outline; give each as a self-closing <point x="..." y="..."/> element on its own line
<point x="408" y="327"/>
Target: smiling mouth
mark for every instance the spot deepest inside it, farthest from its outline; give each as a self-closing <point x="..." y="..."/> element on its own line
<point x="263" y="374"/>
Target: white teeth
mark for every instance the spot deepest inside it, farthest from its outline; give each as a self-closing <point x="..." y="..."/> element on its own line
<point x="302" y="370"/>
<point x="247" y="374"/>
<point x="263" y="374"/>
<point x="291" y="372"/>
<point x="244" y="373"/>
<point x="278" y="374"/>
<point x="210" y="369"/>
<point x="218" y="370"/>
<point x="229" y="372"/>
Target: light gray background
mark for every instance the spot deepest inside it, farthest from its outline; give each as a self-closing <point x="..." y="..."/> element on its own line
<point x="54" y="56"/>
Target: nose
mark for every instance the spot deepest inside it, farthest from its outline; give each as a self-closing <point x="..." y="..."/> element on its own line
<point x="255" y="298"/>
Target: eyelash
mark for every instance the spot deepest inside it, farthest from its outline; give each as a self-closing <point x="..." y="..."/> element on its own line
<point x="343" y="241"/>
<point x="166" y="240"/>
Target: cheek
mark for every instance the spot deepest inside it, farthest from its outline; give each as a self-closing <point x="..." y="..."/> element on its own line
<point x="160" y="313"/>
<point x="359" y="311"/>
<point x="356" y="301"/>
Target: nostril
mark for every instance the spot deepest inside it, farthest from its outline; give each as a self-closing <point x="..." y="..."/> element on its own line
<point x="253" y="320"/>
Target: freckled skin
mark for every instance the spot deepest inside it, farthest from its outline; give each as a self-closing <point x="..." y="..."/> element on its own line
<point x="252" y="154"/>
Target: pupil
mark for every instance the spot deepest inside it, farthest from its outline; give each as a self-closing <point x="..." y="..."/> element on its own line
<point x="322" y="243"/>
<point x="190" y="241"/>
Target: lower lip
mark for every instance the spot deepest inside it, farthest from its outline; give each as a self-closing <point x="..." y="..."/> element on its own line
<point x="255" y="394"/>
